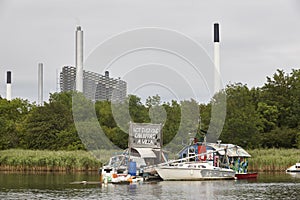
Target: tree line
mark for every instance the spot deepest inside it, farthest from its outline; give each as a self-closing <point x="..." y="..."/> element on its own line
<point x="258" y="117"/>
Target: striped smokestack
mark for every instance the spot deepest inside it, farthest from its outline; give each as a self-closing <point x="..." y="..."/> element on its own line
<point x="8" y="85"/>
<point x="217" y="58"/>
<point x="79" y="59"/>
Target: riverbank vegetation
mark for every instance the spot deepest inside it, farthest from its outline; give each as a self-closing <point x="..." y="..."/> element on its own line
<point x="263" y="117"/>
<point x="256" y="118"/>
<point x="48" y="161"/>
<point x="273" y="159"/>
<point x="262" y="160"/>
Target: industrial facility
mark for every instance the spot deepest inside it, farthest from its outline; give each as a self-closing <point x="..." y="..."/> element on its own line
<point x="94" y="86"/>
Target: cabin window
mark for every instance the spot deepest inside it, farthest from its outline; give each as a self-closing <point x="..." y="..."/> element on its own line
<point x="191" y="150"/>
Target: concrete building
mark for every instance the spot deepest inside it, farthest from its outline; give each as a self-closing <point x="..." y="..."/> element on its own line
<point x="96" y="87"/>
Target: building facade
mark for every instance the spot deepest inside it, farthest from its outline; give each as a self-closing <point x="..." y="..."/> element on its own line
<point x="96" y="87"/>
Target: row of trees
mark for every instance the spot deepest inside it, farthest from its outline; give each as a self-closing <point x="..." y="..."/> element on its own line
<point x="265" y="117"/>
<point x="268" y="116"/>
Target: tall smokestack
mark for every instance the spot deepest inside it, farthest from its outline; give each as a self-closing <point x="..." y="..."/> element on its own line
<point x="79" y="59"/>
<point x="8" y="86"/>
<point x="40" y="84"/>
<point x="217" y="57"/>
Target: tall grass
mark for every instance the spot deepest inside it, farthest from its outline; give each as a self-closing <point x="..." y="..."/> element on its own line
<point x="63" y="161"/>
<point x="273" y="159"/>
<point x="37" y="160"/>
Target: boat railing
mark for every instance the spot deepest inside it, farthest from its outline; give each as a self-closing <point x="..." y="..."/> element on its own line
<point x="194" y="156"/>
<point x="187" y="159"/>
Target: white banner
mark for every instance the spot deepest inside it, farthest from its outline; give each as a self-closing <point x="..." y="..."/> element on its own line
<point x="145" y="135"/>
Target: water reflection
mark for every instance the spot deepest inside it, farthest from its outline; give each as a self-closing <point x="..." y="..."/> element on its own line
<point x="57" y="186"/>
<point x="294" y="175"/>
<point x="195" y="189"/>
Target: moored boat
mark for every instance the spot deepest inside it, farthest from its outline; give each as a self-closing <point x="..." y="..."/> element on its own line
<point x="294" y="168"/>
<point x="249" y="175"/>
<point x="139" y="162"/>
<point x="220" y="155"/>
<point x="193" y="171"/>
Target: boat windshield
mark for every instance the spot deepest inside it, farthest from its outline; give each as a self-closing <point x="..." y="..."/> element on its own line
<point x="118" y="160"/>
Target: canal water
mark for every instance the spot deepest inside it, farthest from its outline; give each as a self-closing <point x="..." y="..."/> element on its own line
<point x="57" y="186"/>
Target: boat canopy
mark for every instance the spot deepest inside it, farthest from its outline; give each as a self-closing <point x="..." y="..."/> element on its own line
<point x="146" y="152"/>
<point x="232" y="150"/>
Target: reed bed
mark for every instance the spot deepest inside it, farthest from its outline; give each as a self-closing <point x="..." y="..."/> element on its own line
<point x="266" y="160"/>
<point x="37" y="160"/>
<point x="272" y="159"/>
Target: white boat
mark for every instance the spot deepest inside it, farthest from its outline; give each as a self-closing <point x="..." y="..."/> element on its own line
<point x="193" y="171"/>
<point x="119" y="166"/>
<point x="294" y="168"/>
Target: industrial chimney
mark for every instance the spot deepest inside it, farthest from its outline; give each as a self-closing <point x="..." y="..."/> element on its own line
<point x="79" y="59"/>
<point x="8" y="86"/>
<point x="217" y="58"/>
<point x="107" y="74"/>
<point x="40" y="84"/>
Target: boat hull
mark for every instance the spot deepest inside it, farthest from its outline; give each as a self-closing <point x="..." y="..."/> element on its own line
<point x="246" y="175"/>
<point x="170" y="173"/>
<point x="293" y="170"/>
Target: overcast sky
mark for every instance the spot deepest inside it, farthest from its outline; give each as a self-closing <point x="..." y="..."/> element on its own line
<point x="257" y="37"/>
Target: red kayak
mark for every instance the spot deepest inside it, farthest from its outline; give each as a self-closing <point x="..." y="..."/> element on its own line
<point x="246" y="175"/>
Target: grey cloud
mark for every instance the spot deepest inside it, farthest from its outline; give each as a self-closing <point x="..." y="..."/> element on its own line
<point x="256" y="36"/>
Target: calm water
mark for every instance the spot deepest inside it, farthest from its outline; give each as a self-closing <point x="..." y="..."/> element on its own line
<point x="57" y="186"/>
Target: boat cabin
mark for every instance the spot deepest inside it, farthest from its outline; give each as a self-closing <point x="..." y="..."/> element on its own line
<point x="141" y="156"/>
<point x="218" y="155"/>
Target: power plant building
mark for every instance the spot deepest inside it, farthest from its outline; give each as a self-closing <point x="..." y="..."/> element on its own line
<point x="96" y="87"/>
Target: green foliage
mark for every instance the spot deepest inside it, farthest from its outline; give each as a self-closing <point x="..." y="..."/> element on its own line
<point x="172" y="123"/>
<point x="104" y="114"/>
<point x="279" y="137"/>
<point x="137" y="111"/>
<point x="242" y="120"/>
<point x="27" y="160"/>
<point x="258" y="117"/>
<point x="263" y="117"/>
<point x="273" y="159"/>
<point x="268" y="115"/>
<point x="12" y="114"/>
<point x="298" y="140"/>
<point x="51" y="126"/>
<point x="283" y="92"/>
<point x="153" y="101"/>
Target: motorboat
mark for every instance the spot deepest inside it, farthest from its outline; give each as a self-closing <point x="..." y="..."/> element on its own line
<point x="294" y="168"/>
<point x="128" y="165"/>
<point x="247" y="175"/>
